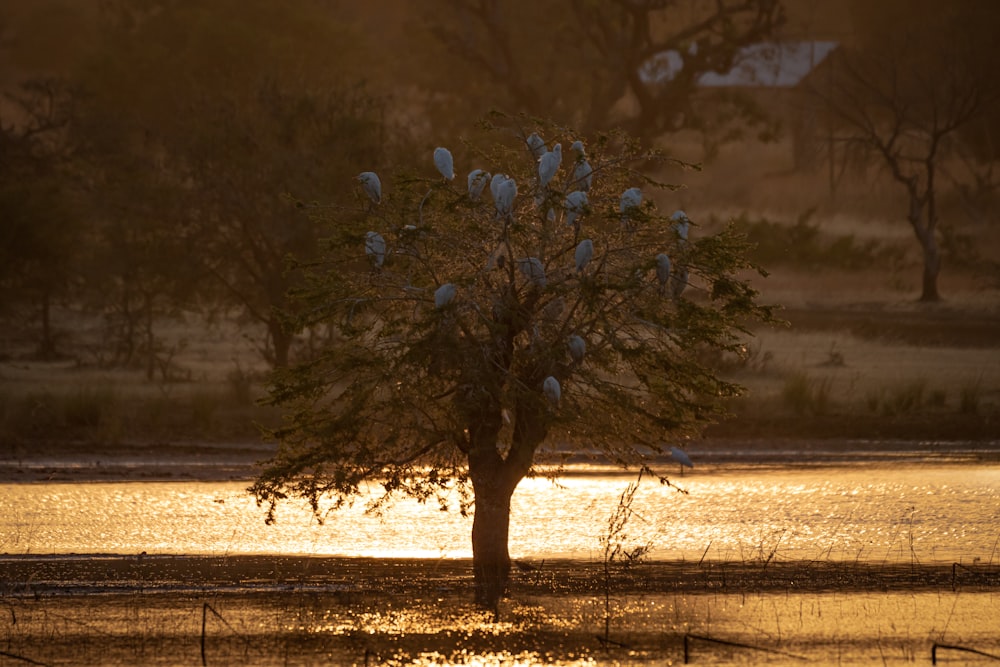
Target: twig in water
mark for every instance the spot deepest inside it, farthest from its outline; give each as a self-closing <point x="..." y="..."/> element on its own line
<point x="702" y="559"/>
<point x="952" y="647"/>
<point x="14" y="656"/>
<point x="724" y="642"/>
<point x="204" y="616"/>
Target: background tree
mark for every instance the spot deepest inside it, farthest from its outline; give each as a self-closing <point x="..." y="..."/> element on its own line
<point x="907" y="93"/>
<point x="256" y="155"/>
<point x="42" y="228"/>
<point x="579" y="60"/>
<point x="473" y="333"/>
<point x="257" y="111"/>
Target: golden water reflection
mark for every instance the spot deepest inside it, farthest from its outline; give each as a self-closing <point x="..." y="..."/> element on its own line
<point x="914" y="512"/>
<point x="853" y="628"/>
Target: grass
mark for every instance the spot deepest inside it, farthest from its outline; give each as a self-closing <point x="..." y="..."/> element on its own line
<point x="102" y="411"/>
<point x="804" y="244"/>
<point x="361" y="611"/>
<point x="803" y="381"/>
<point x="858" y="349"/>
<point x="807" y="395"/>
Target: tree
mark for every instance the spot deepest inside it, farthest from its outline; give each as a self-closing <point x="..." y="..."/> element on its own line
<point x="472" y="338"/>
<point x="906" y="97"/>
<point x="42" y="229"/>
<point x="251" y="157"/>
<point x="577" y="60"/>
<point x="260" y="110"/>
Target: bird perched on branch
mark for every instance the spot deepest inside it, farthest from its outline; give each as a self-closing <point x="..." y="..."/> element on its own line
<point x="477" y="182"/>
<point x="504" y="196"/>
<point x="444" y="295"/>
<point x="583" y="174"/>
<point x="575" y="205"/>
<point x="681" y="225"/>
<point x="533" y="270"/>
<point x="536" y="145"/>
<point x="662" y="270"/>
<point x="577" y="348"/>
<point x="584" y="253"/>
<point x="548" y="165"/>
<point x="375" y="248"/>
<point x="631" y="199"/>
<point x="444" y="163"/>
<point x="372" y="186"/>
<point x="552" y="390"/>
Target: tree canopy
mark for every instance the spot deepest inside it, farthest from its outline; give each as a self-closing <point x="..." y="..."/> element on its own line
<point x="475" y="330"/>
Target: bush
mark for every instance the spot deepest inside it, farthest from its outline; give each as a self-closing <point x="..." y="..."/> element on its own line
<point x="806" y="395"/>
<point x="804" y="245"/>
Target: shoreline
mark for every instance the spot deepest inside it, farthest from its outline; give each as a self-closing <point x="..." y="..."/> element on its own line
<point x="239" y="462"/>
<point x="32" y="576"/>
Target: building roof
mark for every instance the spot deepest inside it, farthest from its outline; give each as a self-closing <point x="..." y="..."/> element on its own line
<point x="766" y="64"/>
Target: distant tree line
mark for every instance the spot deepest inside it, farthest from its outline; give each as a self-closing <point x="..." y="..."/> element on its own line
<point x="163" y="171"/>
<point x="160" y="179"/>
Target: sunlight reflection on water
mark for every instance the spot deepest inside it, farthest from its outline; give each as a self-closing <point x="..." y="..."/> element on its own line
<point x="873" y="513"/>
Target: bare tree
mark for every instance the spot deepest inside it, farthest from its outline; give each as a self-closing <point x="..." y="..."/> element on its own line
<point x="905" y="102"/>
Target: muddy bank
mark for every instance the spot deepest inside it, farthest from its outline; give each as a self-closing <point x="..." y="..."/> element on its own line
<point x="304" y="611"/>
<point x="33" y="576"/>
<point x="239" y="462"/>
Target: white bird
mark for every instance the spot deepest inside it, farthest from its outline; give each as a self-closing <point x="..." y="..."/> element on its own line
<point x="583" y="174"/>
<point x="584" y="253"/>
<point x="444" y="163"/>
<point x="372" y="186"/>
<point x="679" y="455"/>
<point x="533" y="270"/>
<point x="375" y="248"/>
<point x="631" y="198"/>
<point x="575" y="204"/>
<point x="577" y="348"/>
<point x="443" y="295"/>
<point x="477" y="182"/>
<point x="495" y="184"/>
<point x="548" y="165"/>
<point x="678" y="281"/>
<point x="662" y="269"/>
<point x="506" y="192"/>
<point x="536" y="145"/>
<point x="681" y="225"/>
<point x="552" y="390"/>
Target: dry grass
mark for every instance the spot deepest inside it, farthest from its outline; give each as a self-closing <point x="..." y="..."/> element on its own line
<point x="858" y="344"/>
<point x="357" y="611"/>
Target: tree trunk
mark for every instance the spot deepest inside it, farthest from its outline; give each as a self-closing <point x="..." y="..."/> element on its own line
<point x="928" y="241"/>
<point x="490" y="531"/>
<point x="932" y="266"/>
<point x="47" y="345"/>
<point x="281" y="339"/>
<point x="494" y="478"/>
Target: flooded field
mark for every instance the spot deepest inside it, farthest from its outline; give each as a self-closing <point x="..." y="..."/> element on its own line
<point x="851" y="562"/>
<point x="301" y="611"/>
<point x="882" y="511"/>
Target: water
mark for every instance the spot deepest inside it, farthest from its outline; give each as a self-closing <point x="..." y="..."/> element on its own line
<point x="882" y="511"/>
<point x="850" y="511"/>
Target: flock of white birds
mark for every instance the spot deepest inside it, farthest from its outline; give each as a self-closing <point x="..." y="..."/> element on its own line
<point x="672" y="278"/>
